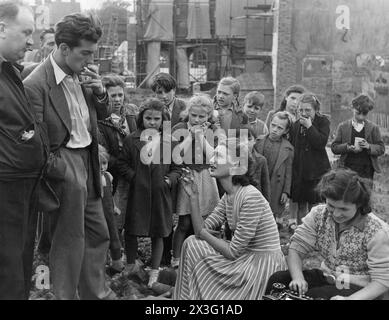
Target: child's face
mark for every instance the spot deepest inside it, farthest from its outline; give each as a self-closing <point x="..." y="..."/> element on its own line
<point x="278" y="128"/>
<point x="224" y="96"/>
<point x="291" y="102"/>
<point x="116" y="98"/>
<point x="197" y="115"/>
<point x="251" y="110"/>
<point x="103" y="164"/>
<point x="359" y="117"/>
<point x="306" y="110"/>
<point x="166" y="97"/>
<point x="152" y="119"/>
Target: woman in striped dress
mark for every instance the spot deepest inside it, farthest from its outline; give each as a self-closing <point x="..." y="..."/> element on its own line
<point x="212" y="268"/>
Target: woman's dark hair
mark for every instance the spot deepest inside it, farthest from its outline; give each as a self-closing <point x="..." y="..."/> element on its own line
<point x="363" y="103"/>
<point x="151" y="104"/>
<point x="76" y="27"/>
<point x="164" y="81"/>
<point x="346" y="185"/>
<point x="310" y="98"/>
<point x="239" y="148"/>
<point x="292" y="89"/>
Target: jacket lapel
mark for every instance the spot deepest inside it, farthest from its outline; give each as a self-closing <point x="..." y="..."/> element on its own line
<point x="349" y="129"/>
<point x="283" y="154"/>
<point x="260" y="145"/>
<point x="138" y="144"/>
<point x="91" y="109"/>
<point x="57" y="97"/>
<point x="368" y="129"/>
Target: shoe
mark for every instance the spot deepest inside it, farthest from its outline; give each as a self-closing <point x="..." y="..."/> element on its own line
<point x="135" y="270"/>
<point x="154" y="273"/>
<point x="175" y="262"/>
<point x="111" y="271"/>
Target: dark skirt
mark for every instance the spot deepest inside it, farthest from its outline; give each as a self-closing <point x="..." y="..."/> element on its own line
<point x="305" y="191"/>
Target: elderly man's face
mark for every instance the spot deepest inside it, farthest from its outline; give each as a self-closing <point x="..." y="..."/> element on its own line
<point x="16" y="35"/>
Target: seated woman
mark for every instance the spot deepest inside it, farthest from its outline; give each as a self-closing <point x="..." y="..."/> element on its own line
<point x="212" y="268"/>
<point x="353" y="242"/>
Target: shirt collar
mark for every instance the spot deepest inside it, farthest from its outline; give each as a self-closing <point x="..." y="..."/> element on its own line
<point x="59" y="74"/>
<point x="17" y="66"/>
<point x="171" y="104"/>
<point x="230" y="108"/>
<point x="358" y="222"/>
<point x="358" y="126"/>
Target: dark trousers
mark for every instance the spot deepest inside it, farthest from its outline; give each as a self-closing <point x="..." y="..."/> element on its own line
<point x="44" y="233"/>
<point x="318" y="287"/>
<point x="80" y="239"/>
<point x="18" y="220"/>
<point x="115" y="244"/>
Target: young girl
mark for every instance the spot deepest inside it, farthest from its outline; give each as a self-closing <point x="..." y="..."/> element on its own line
<point x="200" y="112"/>
<point x="149" y="209"/>
<point x="352" y="240"/>
<point x="109" y="212"/>
<point x="309" y="137"/>
<point x="252" y="106"/>
<point x="279" y="155"/>
<point x="288" y="103"/>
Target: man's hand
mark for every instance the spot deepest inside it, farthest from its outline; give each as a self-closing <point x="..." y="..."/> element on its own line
<point x="94" y="82"/>
<point x="364" y="144"/>
<point x="351" y="148"/>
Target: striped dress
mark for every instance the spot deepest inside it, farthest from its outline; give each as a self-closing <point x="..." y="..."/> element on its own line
<point x="205" y="274"/>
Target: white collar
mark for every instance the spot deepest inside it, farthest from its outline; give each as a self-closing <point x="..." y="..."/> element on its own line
<point x="358" y="126"/>
<point x="59" y="74"/>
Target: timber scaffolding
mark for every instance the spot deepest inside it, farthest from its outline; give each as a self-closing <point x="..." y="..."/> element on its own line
<point x="213" y="57"/>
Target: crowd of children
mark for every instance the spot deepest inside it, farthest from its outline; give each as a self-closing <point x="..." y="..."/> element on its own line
<point x="287" y="155"/>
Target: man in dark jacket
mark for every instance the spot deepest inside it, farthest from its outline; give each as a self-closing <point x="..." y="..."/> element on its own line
<point x="70" y="108"/>
<point x="22" y="155"/>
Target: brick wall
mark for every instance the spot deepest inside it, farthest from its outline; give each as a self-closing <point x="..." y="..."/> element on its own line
<point x="286" y="73"/>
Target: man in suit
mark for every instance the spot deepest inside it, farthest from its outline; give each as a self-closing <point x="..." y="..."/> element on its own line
<point x="23" y="154"/>
<point x="70" y="109"/>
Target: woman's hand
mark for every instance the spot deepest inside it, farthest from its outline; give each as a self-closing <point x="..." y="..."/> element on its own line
<point x="188" y="182"/>
<point x="299" y="285"/>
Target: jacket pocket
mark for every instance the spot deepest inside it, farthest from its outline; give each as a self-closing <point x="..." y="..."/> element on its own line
<point x="23" y="149"/>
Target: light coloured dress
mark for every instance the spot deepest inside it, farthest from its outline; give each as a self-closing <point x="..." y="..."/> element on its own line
<point x="208" y="194"/>
<point x="206" y="274"/>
